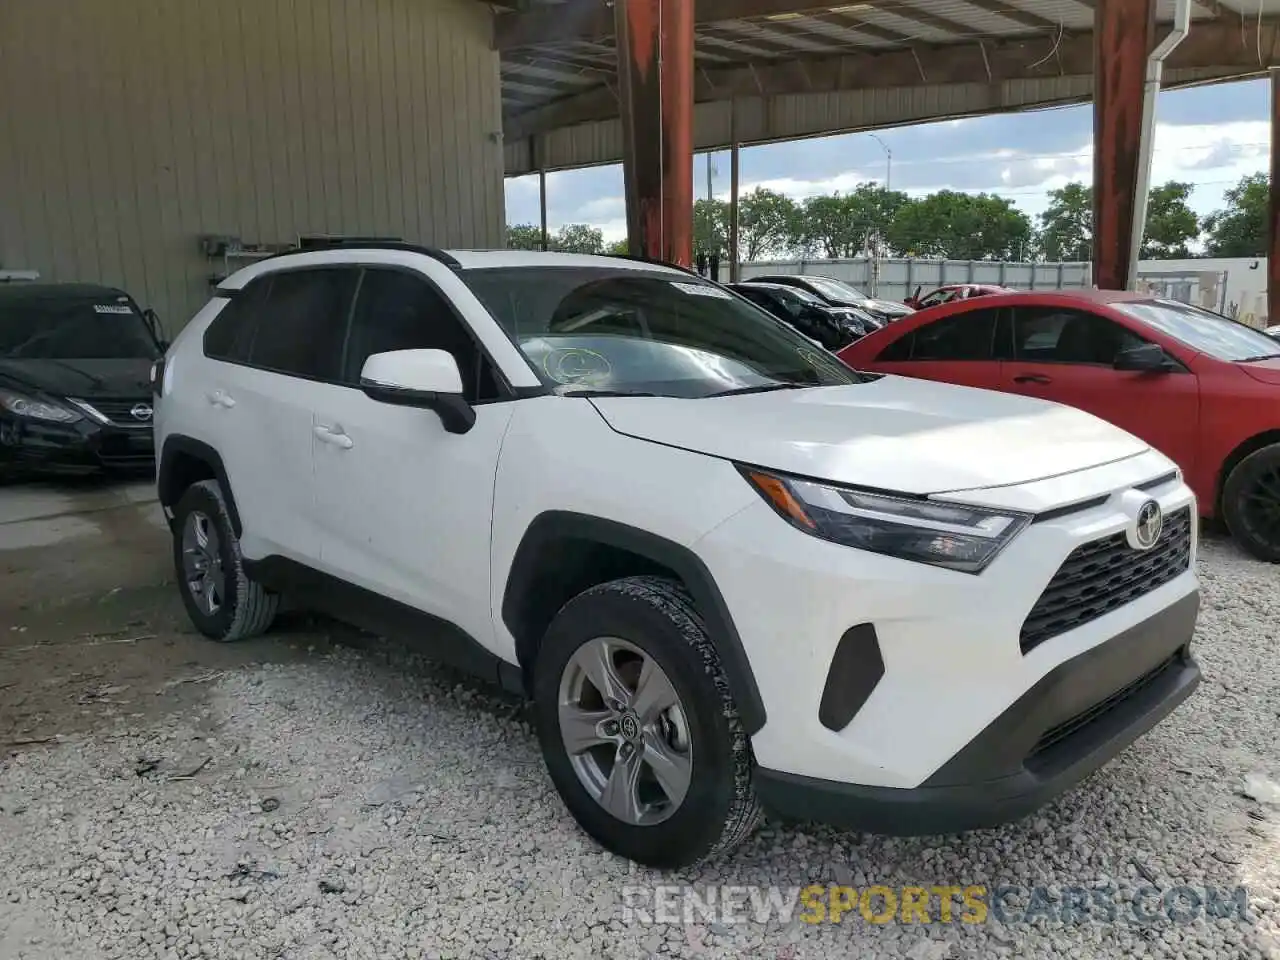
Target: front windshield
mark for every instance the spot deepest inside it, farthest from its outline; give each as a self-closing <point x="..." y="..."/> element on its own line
<point x="74" y="328"/>
<point x="836" y="290"/>
<point x="620" y="330"/>
<point x="1201" y="330"/>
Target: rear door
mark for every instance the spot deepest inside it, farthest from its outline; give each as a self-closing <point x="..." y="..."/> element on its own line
<point x="266" y="404"/>
<point x="1068" y="356"/>
<point x="957" y="348"/>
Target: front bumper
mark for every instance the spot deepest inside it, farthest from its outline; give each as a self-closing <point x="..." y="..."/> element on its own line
<point x="949" y="656"/>
<point x="1075" y="719"/>
<point x="74" y="448"/>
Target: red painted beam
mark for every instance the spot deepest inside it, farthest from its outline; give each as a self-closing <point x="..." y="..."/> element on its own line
<point x="1123" y="33"/>
<point x="1273" y="222"/>
<point x="655" y="73"/>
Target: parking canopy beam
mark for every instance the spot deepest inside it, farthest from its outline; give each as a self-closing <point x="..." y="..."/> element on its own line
<point x="1123" y="34"/>
<point x="655" y="74"/>
<point x="1273" y="221"/>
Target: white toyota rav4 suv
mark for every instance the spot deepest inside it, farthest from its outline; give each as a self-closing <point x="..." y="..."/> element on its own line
<point x="729" y="571"/>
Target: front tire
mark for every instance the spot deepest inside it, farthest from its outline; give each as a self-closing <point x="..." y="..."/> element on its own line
<point x="221" y="600"/>
<point x="1251" y="503"/>
<point x="638" y="727"/>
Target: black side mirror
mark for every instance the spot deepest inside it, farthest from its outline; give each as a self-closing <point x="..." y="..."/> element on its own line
<point x="1147" y="357"/>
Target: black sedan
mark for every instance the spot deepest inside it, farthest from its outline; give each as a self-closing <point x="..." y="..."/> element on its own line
<point x="833" y="327"/>
<point x="75" y="390"/>
<point x="837" y="293"/>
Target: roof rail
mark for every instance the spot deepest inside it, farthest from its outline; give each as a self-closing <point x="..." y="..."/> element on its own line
<point x="659" y="263"/>
<point x="311" y="244"/>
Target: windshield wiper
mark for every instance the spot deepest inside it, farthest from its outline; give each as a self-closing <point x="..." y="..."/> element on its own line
<point x="761" y="388"/>
<point x="585" y="392"/>
<point x="1261" y="356"/>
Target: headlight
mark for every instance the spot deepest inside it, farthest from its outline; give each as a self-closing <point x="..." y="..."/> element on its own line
<point x="23" y="406"/>
<point x="950" y="535"/>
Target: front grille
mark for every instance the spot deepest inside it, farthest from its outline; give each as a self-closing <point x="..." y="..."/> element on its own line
<point x="120" y="411"/>
<point x="1061" y="731"/>
<point x="1105" y="574"/>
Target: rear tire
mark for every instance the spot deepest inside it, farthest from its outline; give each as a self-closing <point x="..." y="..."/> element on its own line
<point x="221" y="600"/>
<point x="1251" y="503"/>
<point x="695" y="749"/>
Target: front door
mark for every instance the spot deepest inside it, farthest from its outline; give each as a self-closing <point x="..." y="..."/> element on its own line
<point x="1068" y="356"/>
<point x="405" y="507"/>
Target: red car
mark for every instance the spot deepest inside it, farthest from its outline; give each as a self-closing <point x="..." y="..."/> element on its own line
<point x="1201" y="388"/>
<point x="953" y="291"/>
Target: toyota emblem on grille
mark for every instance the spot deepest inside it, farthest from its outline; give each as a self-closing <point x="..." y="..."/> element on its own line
<point x="141" y="411"/>
<point x="1149" y="523"/>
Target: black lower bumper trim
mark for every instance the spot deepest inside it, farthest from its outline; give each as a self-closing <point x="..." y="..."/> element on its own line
<point x="1076" y="719"/>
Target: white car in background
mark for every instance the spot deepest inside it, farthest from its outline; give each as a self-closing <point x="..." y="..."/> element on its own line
<point x="730" y="571"/>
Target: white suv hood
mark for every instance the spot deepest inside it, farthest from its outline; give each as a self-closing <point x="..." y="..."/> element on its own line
<point x="894" y="433"/>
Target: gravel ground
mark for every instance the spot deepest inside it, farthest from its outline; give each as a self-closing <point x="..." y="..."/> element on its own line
<point x="352" y="803"/>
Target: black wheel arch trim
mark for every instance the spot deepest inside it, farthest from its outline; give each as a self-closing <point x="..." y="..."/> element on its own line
<point x="181" y="444"/>
<point x="555" y="525"/>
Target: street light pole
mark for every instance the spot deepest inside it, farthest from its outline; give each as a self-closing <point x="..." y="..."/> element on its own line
<point x="888" y="161"/>
<point x="888" y="183"/>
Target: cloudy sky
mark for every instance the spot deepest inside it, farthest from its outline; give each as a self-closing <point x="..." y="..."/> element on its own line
<point x="1210" y="136"/>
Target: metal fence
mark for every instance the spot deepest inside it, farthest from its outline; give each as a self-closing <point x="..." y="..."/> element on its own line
<point x="896" y="279"/>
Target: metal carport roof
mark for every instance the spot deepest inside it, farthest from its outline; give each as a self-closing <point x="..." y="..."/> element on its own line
<point x="780" y="69"/>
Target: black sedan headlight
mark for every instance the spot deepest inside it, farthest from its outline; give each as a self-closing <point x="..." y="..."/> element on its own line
<point x="31" y="408"/>
<point x="952" y="535"/>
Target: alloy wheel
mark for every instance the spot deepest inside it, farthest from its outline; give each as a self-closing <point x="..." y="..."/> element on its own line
<point x="1261" y="504"/>
<point x="625" y="731"/>
<point x="202" y="562"/>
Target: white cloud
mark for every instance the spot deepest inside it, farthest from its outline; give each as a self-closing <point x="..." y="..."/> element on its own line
<point x="1210" y="156"/>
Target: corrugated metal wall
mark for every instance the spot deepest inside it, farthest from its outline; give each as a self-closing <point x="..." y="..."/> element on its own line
<point x="129" y="128"/>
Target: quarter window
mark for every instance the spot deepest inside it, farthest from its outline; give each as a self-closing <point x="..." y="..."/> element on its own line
<point x="229" y="335"/>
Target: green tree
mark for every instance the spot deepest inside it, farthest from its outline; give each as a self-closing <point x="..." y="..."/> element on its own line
<point x="1240" y="230"/>
<point x="619" y="247"/>
<point x="524" y="236"/>
<point x="578" y="238"/>
<point x="711" y="227"/>
<point x="961" y="226"/>
<point x="1066" y="226"/>
<point x="843" y="225"/>
<point x="1171" y="224"/>
<point x="765" y="222"/>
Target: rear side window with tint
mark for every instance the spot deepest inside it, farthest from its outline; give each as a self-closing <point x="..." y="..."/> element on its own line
<point x="961" y="336"/>
<point x="303" y="322"/>
<point x="900" y="349"/>
<point x="228" y="336"/>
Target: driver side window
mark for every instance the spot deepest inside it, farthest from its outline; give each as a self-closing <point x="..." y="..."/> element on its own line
<point x="1057" y="335"/>
<point x="398" y="310"/>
